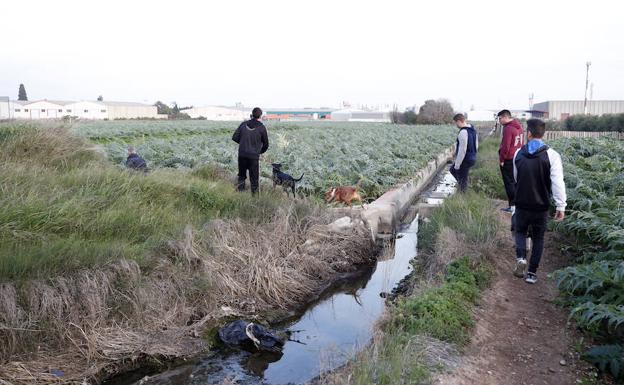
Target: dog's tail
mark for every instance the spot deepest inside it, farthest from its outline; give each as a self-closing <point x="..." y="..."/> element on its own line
<point x="301" y="177"/>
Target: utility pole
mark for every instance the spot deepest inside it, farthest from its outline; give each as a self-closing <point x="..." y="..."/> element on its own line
<point x="531" y="101"/>
<point x="586" y="86"/>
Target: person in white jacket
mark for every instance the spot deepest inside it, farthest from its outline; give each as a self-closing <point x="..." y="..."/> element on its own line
<point x="538" y="172"/>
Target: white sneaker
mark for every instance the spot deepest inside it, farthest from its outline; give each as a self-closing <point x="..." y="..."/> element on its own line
<point x="531" y="278"/>
<point x="518" y="271"/>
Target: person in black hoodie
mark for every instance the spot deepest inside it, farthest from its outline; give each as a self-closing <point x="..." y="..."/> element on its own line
<point x="134" y="161"/>
<point x="253" y="140"/>
<point x="466" y="148"/>
<point x="538" y="172"/>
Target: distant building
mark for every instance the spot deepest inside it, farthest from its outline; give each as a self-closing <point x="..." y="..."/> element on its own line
<point x="297" y="113"/>
<point x="57" y="109"/>
<point x="219" y="113"/>
<point x="562" y="109"/>
<point x="349" y="115"/>
<point x="87" y="110"/>
<point x="5" y="108"/>
<point x="131" y="110"/>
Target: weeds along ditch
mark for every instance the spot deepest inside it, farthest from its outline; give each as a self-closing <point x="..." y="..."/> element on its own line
<point x="424" y="330"/>
<point x="329" y="153"/>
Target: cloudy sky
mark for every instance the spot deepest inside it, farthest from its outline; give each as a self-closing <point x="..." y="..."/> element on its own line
<point x="481" y="53"/>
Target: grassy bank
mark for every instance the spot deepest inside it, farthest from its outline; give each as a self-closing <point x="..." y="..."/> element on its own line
<point x="100" y="266"/>
<point x="63" y="207"/>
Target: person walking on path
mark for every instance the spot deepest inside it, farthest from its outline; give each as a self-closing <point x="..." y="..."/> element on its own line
<point x="538" y="172"/>
<point x="513" y="139"/>
<point x="253" y="140"/>
<point x="466" y="148"/>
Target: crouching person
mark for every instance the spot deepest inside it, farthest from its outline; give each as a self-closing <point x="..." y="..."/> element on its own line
<point x="134" y="161"/>
<point x="538" y="173"/>
<point x="465" y="151"/>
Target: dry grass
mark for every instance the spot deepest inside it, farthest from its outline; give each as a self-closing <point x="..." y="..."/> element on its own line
<point x="105" y="317"/>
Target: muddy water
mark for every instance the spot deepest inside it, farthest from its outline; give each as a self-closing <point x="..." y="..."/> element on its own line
<point x="338" y="325"/>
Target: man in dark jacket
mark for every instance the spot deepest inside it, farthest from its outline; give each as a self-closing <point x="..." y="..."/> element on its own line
<point x="538" y="172"/>
<point x="134" y="161"/>
<point x="253" y="140"/>
<point x="512" y="140"/>
<point x="466" y="148"/>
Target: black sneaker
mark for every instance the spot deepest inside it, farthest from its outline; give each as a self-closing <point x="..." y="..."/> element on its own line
<point x="507" y="210"/>
<point x="530" y="278"/>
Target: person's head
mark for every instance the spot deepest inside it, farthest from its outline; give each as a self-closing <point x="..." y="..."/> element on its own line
<point x="536" y="128"/>
<point x="256" y="113"/>
<point x="460" y="120"/>
<point x="504" y="116"/>
<point x="131" y="150"/>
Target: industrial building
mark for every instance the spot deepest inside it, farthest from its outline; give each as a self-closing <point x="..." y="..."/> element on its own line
<point x="562" y="109"/>
<point x="219" y="113"/>
<point x="297" y="113"/>
<point x="5" y="107"/>
<point x="57" y="109"/>
<point x="349" y="115"/>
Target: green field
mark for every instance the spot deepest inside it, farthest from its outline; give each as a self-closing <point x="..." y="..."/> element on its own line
<point x="329" y="153"/>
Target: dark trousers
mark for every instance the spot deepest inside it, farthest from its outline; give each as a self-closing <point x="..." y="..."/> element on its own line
<point x="461" y="175"/>
<point x="536" y="220"/>
<point x="252" y="165"/>
<point x="508" y="180"/>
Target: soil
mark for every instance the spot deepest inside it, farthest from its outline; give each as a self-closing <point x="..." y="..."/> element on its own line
<point x="522" y="336"/>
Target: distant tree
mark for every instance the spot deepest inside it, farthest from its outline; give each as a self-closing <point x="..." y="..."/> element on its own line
<point x="162" y="108"/>
<point x="100" y="98"/>
<point x="171" y="112"/>
<point x="22" y="93"/>
<point x="435" y="112"/>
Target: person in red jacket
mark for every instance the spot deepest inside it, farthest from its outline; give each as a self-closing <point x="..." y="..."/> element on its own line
<point x="512" y="141"/>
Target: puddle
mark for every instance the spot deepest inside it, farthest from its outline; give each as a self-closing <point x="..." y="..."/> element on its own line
<point x="443" y="189"/>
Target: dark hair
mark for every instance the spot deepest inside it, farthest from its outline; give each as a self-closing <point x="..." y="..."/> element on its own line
<point x="505" y="113"/>
<point x="536" y="127"/>
<point x="256" y="113"/>
<point x="459" y="118"/>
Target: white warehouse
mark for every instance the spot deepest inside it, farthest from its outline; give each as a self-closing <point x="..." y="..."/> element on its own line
<point x="5" y="107"/>
<point x="96" y="110"/>
<point x="219" y="113"/>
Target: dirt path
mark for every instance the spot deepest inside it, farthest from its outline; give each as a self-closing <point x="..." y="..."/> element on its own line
<point x="521" y="336"/>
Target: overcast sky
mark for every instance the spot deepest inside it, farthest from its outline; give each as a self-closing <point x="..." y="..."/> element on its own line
<point x="481" y="53"/>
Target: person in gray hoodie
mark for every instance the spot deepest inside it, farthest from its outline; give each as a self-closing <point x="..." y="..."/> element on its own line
<point x="466" y="148"/>
<point x="253" y="140"/>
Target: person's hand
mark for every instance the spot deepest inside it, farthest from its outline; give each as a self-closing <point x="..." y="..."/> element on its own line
<point x="559" y="215"/>
<point x="502" y="164"/>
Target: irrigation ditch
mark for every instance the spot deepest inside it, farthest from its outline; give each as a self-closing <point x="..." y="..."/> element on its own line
<point x="326" y="333"/>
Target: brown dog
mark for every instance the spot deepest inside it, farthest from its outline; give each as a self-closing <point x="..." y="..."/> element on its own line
<point x="344" y="194"/>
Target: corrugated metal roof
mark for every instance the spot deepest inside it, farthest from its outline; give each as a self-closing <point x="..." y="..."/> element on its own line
<point x="58" y="102"/>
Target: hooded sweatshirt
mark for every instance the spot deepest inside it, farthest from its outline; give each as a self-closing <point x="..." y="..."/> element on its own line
<point x="252" y="138"/>
<point x="466" y="146"/>
<point x="513" y="138"/>
<point x="538" y="172"/>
